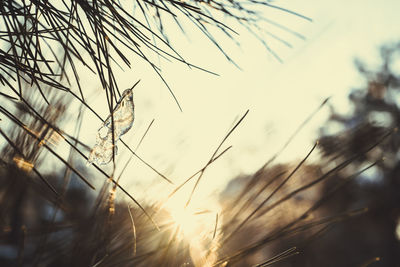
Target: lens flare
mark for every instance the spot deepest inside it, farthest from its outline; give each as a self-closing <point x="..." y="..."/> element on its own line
<point x="186" y="221"/>
<point x="23" y="164"/>
<point x="196" y="226"/>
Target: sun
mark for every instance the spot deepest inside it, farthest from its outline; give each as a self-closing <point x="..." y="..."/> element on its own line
<point x="188" y="223"/>
<point x="197" y="227"/>
<point x="192" y="221"/>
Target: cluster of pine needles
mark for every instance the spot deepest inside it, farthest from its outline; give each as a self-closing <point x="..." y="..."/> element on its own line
<point x="61" y="218"/>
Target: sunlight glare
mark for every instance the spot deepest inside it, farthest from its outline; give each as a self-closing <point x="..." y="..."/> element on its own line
<point x="23" y="164"/>
<point x="197" y="225"/>
<point x="192" y="221"/>
<point x="186" y="220"/>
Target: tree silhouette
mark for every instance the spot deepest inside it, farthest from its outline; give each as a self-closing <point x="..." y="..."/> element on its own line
<point x="367" y="135"/>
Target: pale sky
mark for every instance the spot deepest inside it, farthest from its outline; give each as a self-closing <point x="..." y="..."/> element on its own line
<point x="279" y="96"/>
